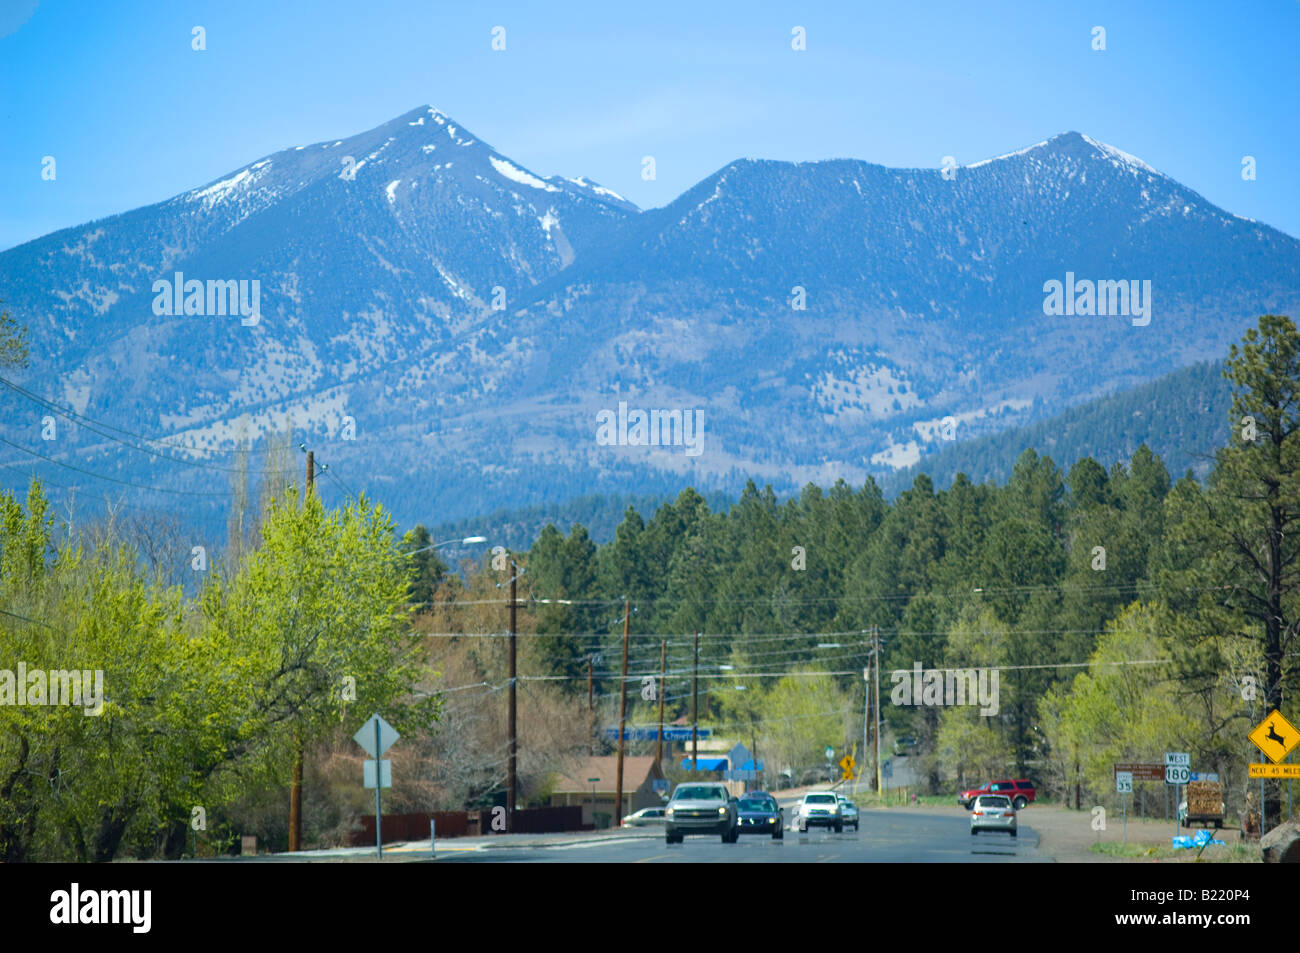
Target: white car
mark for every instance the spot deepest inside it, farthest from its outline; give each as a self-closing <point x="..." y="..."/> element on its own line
<point x="645" y="816"/>
<point x="993" y="812"/>
<point x="819" y="809"/>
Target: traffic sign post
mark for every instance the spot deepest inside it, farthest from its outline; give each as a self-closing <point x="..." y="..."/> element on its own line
<point x="847" y="764"/>
<point x="1177" y="772"/>
<point x="1277" y="738"/>
<point x="377" y="736"/>
<point x="1124" y="786"/>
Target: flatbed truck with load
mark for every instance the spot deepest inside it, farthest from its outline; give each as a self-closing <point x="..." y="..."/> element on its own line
<point x="1204" y="804"/>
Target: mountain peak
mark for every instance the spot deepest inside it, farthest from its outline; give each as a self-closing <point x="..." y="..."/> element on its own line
<point x="1079" y="146"/>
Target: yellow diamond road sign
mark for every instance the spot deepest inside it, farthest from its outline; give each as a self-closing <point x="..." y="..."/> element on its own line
<point x="1275" y="736"/>
<point x="847" y="763"/>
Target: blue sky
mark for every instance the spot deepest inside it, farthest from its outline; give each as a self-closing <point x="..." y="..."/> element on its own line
<point x="133" y="115"/>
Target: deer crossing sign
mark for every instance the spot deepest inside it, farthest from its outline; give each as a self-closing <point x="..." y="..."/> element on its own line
<point x="1275" y="736"/>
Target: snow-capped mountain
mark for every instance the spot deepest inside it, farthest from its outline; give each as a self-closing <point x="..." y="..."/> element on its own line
<point x="450" y="329"/>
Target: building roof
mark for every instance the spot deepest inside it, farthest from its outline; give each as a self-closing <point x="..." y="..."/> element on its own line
<point x="636" y="770"/>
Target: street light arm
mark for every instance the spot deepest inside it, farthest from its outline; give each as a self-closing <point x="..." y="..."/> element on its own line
<point x="468" y="540"/>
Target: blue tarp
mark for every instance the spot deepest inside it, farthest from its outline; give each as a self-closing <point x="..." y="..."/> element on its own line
<point x="1199" y="839"/>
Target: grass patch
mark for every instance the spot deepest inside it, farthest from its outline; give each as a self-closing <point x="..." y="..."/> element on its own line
<point x="868" y="799"/>
<point x="1228" y="854"/>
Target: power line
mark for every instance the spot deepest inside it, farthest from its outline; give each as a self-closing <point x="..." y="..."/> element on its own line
<point x="100" y="428"/>
<point x="101" y="476"/>
<point x="24" y="618"/>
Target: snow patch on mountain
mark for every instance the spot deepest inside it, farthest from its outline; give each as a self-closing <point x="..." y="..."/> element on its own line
<point x="512" y="172"/>
<point x="99" y="299"/>
<point x="325" y="410"/>
<point x="1119" y="157"/>
<point x="866" y="391"/>
<point x="281" y="369"/>
<point x="76" y="390"/>
<point x="225" y="188"/>
<point x="932" y="430"/>
<point x="1006" y="155"/>
<point x="898" y="455"/>
<point x="584" y="182"/>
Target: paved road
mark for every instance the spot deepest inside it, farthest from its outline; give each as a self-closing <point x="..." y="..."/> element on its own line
<point x="886" y="836"/>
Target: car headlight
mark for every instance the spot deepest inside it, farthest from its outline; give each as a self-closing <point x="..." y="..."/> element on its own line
<point x="668" y="813"/>
<point x="771" y="820"/>
<point x="722" y="810"/>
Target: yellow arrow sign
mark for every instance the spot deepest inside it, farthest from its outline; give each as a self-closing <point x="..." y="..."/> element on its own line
<point x="1275" y="736"/>
<point x="848" y="764"/>
<point x="1275" y="770"/>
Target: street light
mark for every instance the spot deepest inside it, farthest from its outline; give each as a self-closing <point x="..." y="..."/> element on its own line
<point x="468" y="540"/>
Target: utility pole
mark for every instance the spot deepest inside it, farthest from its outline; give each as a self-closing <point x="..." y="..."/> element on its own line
<point x="295" y="786"/>
<point x="866" y="708"/>
<point x="663" y="658"/>
<point x="514" y="738"/>
<point x="875" y="638"/>
<point x="622" y="718"/>
<point x="589" y="695"/>
<point x="695" y="707"/>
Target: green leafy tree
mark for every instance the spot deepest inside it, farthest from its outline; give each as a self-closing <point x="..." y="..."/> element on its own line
<point x="317" y="617"/>
<point x="1122" y="708"/>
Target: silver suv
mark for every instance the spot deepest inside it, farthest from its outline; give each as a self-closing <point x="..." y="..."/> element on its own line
<point x="849" y="812"/>
<point x="701" y="807"/>
<point x="819" y="809"/>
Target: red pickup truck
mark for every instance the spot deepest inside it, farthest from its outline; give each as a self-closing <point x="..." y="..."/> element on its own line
<point x="1020" y="790"/>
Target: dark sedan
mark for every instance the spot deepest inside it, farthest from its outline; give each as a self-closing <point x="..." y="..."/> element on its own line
<point x="760" y="814"/>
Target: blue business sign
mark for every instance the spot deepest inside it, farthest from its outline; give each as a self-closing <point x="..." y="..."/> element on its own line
<point x="674" y="733"/>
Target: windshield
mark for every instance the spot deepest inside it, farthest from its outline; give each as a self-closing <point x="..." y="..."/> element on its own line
<point x="820" y="799"/>
<point x="990" y="801"/>
<point x="757" y="804"/>
<point x="699" y="792"/>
